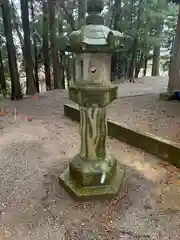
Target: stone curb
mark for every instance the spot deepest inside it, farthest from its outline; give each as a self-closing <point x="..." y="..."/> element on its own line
<point x="157" y="146"/>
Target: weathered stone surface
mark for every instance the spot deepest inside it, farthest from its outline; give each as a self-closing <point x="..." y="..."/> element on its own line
<point x="95" y="35"/>
<point x="93" y="68"/>
<point x="93" y="95"/>
<point x="93" y="173"/>
<point x="93" y="130"/>
<point x="79" y="192"/>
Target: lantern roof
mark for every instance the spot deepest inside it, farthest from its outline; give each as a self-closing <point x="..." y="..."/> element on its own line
<point x="95" y="36"/>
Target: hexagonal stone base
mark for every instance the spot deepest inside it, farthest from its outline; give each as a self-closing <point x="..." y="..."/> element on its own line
<point x="78" y="192"/>
<point x="90" y="173"/>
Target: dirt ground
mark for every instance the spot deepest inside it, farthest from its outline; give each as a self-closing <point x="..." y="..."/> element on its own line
<point x="142" y="86"/>
<point x="139" y="108"/>
<point x="148" y="114"/>
<point x="35" y="147"/>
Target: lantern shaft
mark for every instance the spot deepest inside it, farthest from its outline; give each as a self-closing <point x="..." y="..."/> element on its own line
<point x="93" y="129"/>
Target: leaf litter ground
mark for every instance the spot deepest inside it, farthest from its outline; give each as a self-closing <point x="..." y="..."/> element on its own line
<point x="32" y="204"/>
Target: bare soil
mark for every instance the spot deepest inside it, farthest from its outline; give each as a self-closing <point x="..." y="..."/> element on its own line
<point x="138" y="107"/>
<point x="148" y="114"/>
<point x="35" y="147"/>
<point x="142" y="86"/>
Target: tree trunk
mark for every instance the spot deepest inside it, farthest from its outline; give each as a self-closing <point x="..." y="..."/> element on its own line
<point x="16" y="25"/>
<point x="62" y="57"/>
<point x="54" y="49"/>
<point x="36" y="65"/>
<point x="15" y="83"/>
<point x="135" y="45"/>
<point x="170" y="58"/>
<point x="145" y="66"/>
<point x="68" y="16"/>
<point x="139" y="65"/>
<point x="30" y="83"/>
<point x="2" y="77"/>
<point x="159" y="24"/>
<point x="46" y="56"/>
<point x="62" y="62"/>
<point x="156" y="58"/>
<point x="174" y="76"/>
<point x="74" y="67"/>
<point x="113" y="66"/>
<point x="133" y="60"/>
<point x="35" y="49"/>
<point x="81" y="12"/>
<point x="68" y="70"/>
<point x="156" y="52"/>
<point x="116" y="15"/>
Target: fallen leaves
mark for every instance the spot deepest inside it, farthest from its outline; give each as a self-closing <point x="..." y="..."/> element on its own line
<point x="173" y="179"/>
<point x="167" y="194"/>
<point x="105" y="218"/>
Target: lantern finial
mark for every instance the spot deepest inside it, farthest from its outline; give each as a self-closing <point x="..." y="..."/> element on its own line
<point x="94" y="6"/>
<point x="94" y="9"/>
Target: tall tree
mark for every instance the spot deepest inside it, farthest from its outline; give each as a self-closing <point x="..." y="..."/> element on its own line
<point x="156" y="50"/>
<point x="35" y="47"/>
<point x="15" y="83"/>
<point x="2" y="76"/>
<point x="81" y="12"/>
<point x="160" y="5"/>
<point x="116" y="17"/>
<point x="156" y="59"/>
<point x="174" y="73"/>
<point x="136" y="42"/>
<point x="16" y="24"/>
<point x="46" y="57"/>
<point x="117" y="14"/>
<point x="62" y="54"/>
<point x="54" y="48"/>
<point x="169" y="33"/>
<point x="30" y="83"/>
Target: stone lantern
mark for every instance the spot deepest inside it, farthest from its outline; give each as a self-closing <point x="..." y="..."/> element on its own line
<point x="92" y="173"/>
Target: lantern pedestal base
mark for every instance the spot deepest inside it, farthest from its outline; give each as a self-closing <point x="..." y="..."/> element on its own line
<point x="79" y="192"/>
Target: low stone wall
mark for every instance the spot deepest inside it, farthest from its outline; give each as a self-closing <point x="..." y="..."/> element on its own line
<point x="157" y="146"/>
